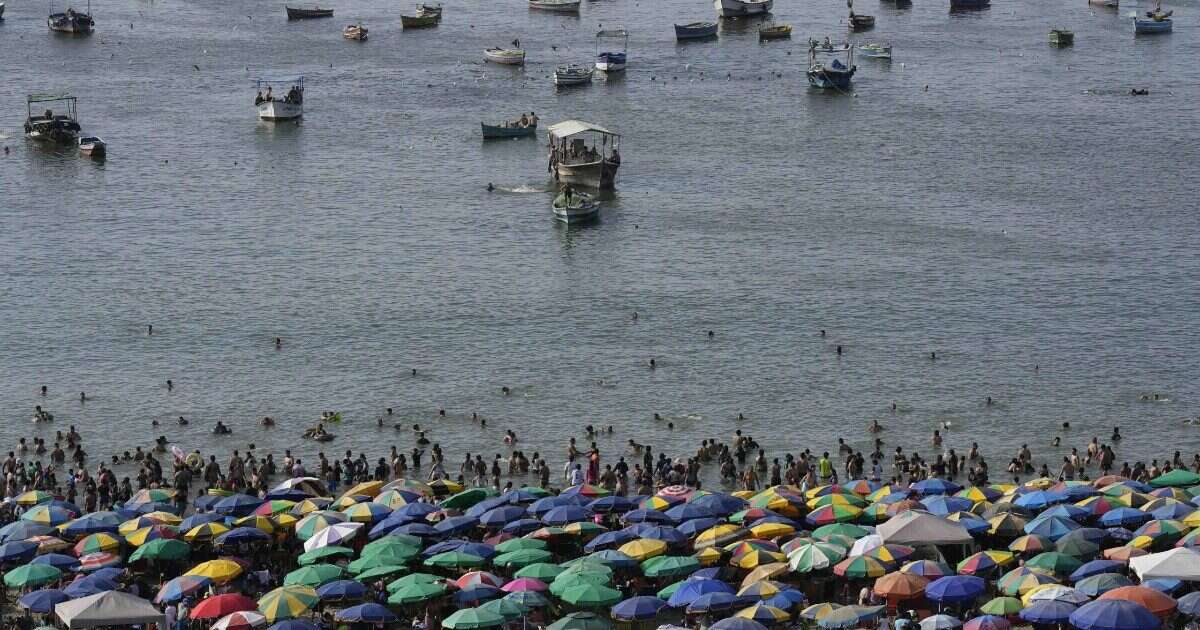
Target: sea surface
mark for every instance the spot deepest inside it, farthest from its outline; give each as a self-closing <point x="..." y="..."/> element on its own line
<point x="1006" y="205"/>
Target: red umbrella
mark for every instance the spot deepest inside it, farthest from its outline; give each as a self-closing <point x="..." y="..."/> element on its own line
<point x="1161" y="605"/>
<point x="221" y="605"/>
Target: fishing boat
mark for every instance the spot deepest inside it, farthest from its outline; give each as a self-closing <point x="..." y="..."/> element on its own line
<point x="738" y="8"/>
<point x="420" y="21"/>
<point x="860" y="22"/>
<point x="505" y="56"/>
<point x="356" y="32"/>
<point x="1061" y="37"/>
<point x="1" y="10"/>
<point x="573" y="74"/>
<point x="72" y="21"/>
<point x="774" y="31"/>
<point x="555" y="6"/>
<point x="272" y="107"/>
<point x="1156" y="21"/>
<point x="837" y="74"/>
<point x="296" y="13"/>
<point x="508" y="130"/>
<point x="572" y="206"/>
<point x="612" y="60"/>
<point x="695" y="30"/>
<point x="47" y="126"/>
<point x="1108" y="4"/>
<point x="93" y="146"/>
<point x="875" y="51"/>
<point x="969" y="5"/>
<point x="429" y="9"/>
<point x="583" y="154"/>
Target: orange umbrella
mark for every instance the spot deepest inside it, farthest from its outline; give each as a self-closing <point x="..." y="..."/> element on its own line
<point x="898" y="587"/>
<point x="1161" y="605"/>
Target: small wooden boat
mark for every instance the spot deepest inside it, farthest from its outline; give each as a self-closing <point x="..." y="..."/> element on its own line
<point x="274" y="108"/>
<point x="1061" y="37"/>
<point x="72" y="22"/>
<point x="93" y="146"/>
<point x="47" y="126"/>
<point x="296" y="13"/>
<point x="969" y="5"/>
<point x="607" y="58"/>
<point x="836" y="75"/>
<point x="420" y="21"/>
<point x="774" y="31"/>
<point x="356" y="32"/>
<point x="571" y="206"/>
<point x="429" y="9"/>
<point x="573" y="74"/>
<point x="557" y="6"/>
<point x="695" y="30"/>
<point x="1" y="10"/>
<point x="491" y="132"/>
<point x="738" y="8"/>
<point x="875" y="51"/>
<point x="861" y="22"/>
<point x="1156" y="22"/>
<point x="505" y="56"/>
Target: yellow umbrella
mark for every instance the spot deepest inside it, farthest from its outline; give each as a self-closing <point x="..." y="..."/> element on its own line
<point x="1192" y="520"/>
<point x="1041" y="483"/>
<point x="392" y="498"/>
<point x="287" y="602"/>
<point x="757" y="558"/>
<point x="1141" y="542"/>
<point x="34" y="497"/>
<point x="708" y="556"/>
<point x="817" y="612"/>
<point x="217" y="570"/>
<point x="348" y="500"/>
<point x="1027" y="598"/>
<point x="771" y="530"/>
<point x="719" y="535"/>
<point x="743" y="494"/>
<point x="48" y="544"/>
<point x="205" y="532"/>
<point x="309" y="505"/>
<point x="763" y="613"/>
<point x="366" y="488"/>
<point x="765" y="572"/>
<point x="164" y="518"/>
<point x="139" y="537"/>
<point x="285" y="521"/>
<point x="643" y="548"/>
<point x="254" y="520"/>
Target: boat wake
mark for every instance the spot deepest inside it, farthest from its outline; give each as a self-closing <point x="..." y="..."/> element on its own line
<point x="520" y="190"/>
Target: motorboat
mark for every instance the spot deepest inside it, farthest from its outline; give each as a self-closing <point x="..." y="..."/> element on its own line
<point x="573" y="74"/>
<point x="47" y="126"/>
<point x="969" y="5"/>
<point x="774" y="31"/>
<point x="695" y="30"/>
<point x="420" y="21"/>
<point x="837" y="74"/>
<point x="556" y="6"/>
<point x="572" y="206"/>
<point x="583" y="154"/>
<point x="508" y="130"/>
<point x="738" y="8"/>
<point x="71" y="21"/>
<point x="875" y="51"/>
<point x="429" y="9"/>
<point x="272" y="107"/>
<point x="612" y="60"/>
<point x="356" y="32"/>
<point x="93" y="146"/>
<point x="297" y="13"/>
<point x="860" y="22"/>
<point x="1155" y="22"/>
<point x="505" y="56"/>
<point x="1061" y="37"/>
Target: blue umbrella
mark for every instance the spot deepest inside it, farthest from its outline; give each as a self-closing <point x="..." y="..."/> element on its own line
<point x="454" y="544"/>
<point x="340" y="590"/>
<point x="943" y="505"/>
<point x="689" y="511"/>
<point x="1040" y="499"/>
<point x="786" y="599"/>
<point x="522" y="526"/>
<point x="501" y="516"/>
<point x="1118" y="534"/>
<point x="242" y="535"/>
<point x="696" y="526"/>
<point x="1124" y="517"/>
<point x="773" y="518"/>
<point x="294" y="624"/>
<point x="17" y="551"/>
<point x="196" y="520"/>
<point x="205" y="503"/>
<point x="1067" y="510"/>
<point x="416" y="510"/>
<point x="288" y="494"/>
<point x="528" y="599"/>
<point x="936" y="486"/>
<point x="476" y="594"/>
<point x="955" y="588"/>
<point x="391" y="523"/>
<point x="1190" y="604"/>
<point x="57" y="560"/>
<point x="365" y="613"/>
<point x="615" y="559"/>
<point x="179" y="587"/>
<point x="713" y="601"/>
<point x="1097" y="585"/>
<point x="153" y="506"/>
<point x="721" y="504"/>
<point x="457" y="525"/>
<point x="1096" y="567"/>
<point x="237" y="505"/>
<point x="1174" y="511"/>
<point x="1047" y="611"/>
<point x="1113" y="614"/>
<point x="421" y="530"/>
<point x="542" y="506"/>
<point x="894" y="497"/>
<point x="691" y="590"/>
<point x="485" y="505"/>
<point x="94" y="523"/>
<point x="647" y="516"/>
<point x="89" y="585"/>
<point x="42" y="601"/>
<point x="737" y="623"/>
<point x="638" y="609"/>
<point x="107" y="573"/>
<point x="22" y="530"/>
<point x="1166" y="586"/>
<point x="669" y="535"/>
<point x="610" y="540"/>
<point x="973" y="524"/>
<point x="611" y="505"/>
<point x="709" y="573"/>
<point x="564" y="514"/>
<point x="1080" y="492"/>
<point x="1052" y="527"/>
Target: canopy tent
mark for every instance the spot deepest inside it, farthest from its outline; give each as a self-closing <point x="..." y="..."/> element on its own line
<point x="109" y="608"/>
<point x="1182" y="563"/>
<point x="574" y="127"/>
<point x="914" y="527"/>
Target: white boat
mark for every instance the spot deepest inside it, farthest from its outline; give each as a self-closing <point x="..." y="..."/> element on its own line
<point x="583" y="154"/>
<point x="573" y="74"/>
<point x="736" y="8"/>
<point x="506" y="56"/>
<point x="572" y="206"/>
<point x="558" y="6"/>
<point x="272" y="106"/>
<point x="612" y="60"/>
<point x="1" y="10"/>
<point x="875" y="51"/>
<point x="92" y="145"/>
<point x="356" y="32"/>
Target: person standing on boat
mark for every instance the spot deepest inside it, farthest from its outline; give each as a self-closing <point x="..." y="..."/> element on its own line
<point x="258" y="98"/>
<point x="533" y="119"/>
<point x="268" y="96"/>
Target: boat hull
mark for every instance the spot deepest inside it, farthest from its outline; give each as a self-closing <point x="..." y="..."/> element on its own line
<point x="80" y="24"/>
<point x="491" y="132"/>
<point x="1151" y="27"/>
<point x="279" y="110"/>
<point x="592" y="175"/>
<point x="587" y="212"/>
<point x="829" y="79"/>
<point x="307" y="14"/>
<point x="555" y="7"/>
<point x="969" y="5"/>
<point x="563" y="80"/>
<point x="611" y="62"/>
<point x="96" y="149"/>
<point x="737" y="8"/>
<point x="420" y="21"/>
<point x="504" y="59"/>
<point x="768" y="34"/>
<point x="702" y="31"/>
<point x="883" y="52"/>
<point x="1" y="10"/>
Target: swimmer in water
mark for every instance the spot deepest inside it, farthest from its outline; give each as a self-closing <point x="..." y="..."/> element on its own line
<point x="652" y="364"/>
<point x="267" y="421"/>
<point x="414" y="371"/>
<point x="989" y="401"/>
<point x="182" y="421"/>
<point x="657" y="417"/>
<point x="933" y="356"/>
<point x="442" y="412"/>
<point x="637" y="448"/>
<point x="711" y="334"/>
<point x="671" y="426"/>
<point x="1116" y="434"/>
<point x="490" y="187"/>
<point x="170" y="385"/>
<point x="510" y="437"/>
<point x="875" y="427"/>
<point x="154" y="423"/>
<point x="505" y="390"/>
<point x="839" y="350"/>
<point x="635" y="316"/>
<point x="43" y="390"/>
<point x="82" y="397"/>
<point x="278" y="343"/>
<point x="1056" y="441"/>
<point x="149" y="329"/>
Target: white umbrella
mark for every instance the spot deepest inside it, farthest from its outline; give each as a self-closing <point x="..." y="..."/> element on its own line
<point x="940" y="622"/>
<point x="1057" y="593"/>
<point x="240" y="621"/>
<point x="865" y="544"/>
<point x="335" y="534"/>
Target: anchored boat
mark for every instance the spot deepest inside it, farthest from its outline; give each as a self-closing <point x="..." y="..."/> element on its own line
<point x="774" y="31"/>
<point x="427" y="16"/>
<point x="572" y="206"/>
<point x="695" y="30"/>
<point x="296" y="13"/>
<point x="557" y="6"/>
<point x="72" y="21"/>
<point x="1061" y="37"/>
<point x="93" y="146"/>
<point x="274" y="107"/>
<point x="47" y="126"/>
<point x="836" y="74"/>
<point x="1156" y="21"/>
<point x="738" y="8"/>
<point x="875" y="51"/>
<point x="509" y="130"/>
<point x="572" y="74"/>
<point x="612" y="60"/>
<point x="356" y="32"/>
<point x="859" y="22"/>
<point x="584" y="154"/>
<point x="505" y="56"/>
<point x="969" y="5"/>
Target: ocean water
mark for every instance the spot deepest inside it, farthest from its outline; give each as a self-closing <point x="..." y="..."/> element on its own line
<point x="1004" y="204"/>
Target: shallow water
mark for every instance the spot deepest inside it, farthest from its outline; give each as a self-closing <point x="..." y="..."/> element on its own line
<point x="1021" y="211"/>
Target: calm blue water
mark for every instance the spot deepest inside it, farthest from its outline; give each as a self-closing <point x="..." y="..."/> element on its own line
<point x="1021" y="211"/>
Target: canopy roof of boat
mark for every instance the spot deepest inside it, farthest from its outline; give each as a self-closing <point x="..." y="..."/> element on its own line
<point x="615" y="32"/>
<point x="44" y="98"/>
<point x="296" y="79"/>
<point x="575" y="127"/>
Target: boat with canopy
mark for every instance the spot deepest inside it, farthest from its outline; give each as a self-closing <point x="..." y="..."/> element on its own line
<point x="273" y="107"/>
<point x="47" y="126"/>
<point x="607" y="59"/>
<point x="584" y="154"/>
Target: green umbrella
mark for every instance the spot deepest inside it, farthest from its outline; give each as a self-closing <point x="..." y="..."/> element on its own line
<point x="412" y="578"/>
<point x="815" y="556"/>
<point x="1077" y="546"/>
<point x="543" y="571"/>
<point x="581" y="621"/>
<point x="380" y="571"/>
<point x="1176" y="478"/>
<point x="322" y="553"/>
<point x="536" y="491"/>
<point x="528" y="599"/>
<point x="1002" y="607"/>
<point x="314" y="522"/>
<point x="840" y="529"/>
<point x="455" y="560"/>
<point x="584" y="566"/>
<point x="522" y="558"/>
<point x="1055" y="562"/>
<point x="506" y="608"/>
<point x="565" y="581"/>
<point x="667" y="592"/>
<point x="31" y="575"/>
<point x="670" y="566"/>
<point x="392" y="540"/>
<point x="590" y="595"/>
<point x="313" y="575"/>
<point x="517" y="544"/>
<point x="416" y="592"/>
<point x="161" y="549"/>
<point x="465" y="499"/>
<point x="471" y="618"/>
<point x="386" y="557"/>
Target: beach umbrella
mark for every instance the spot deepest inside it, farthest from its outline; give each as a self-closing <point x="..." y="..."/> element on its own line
<point x="1114" y="615"/>
<point x="381" y="571"/>
<point x="610" y="505"/>
<point x="940" y="622"/>
<point x="713" y="602"/>
<point x="955" y="588"/>
<point x="478" y="578"/>
<point x="455" y="560"/>
<point x="755" y="558"/>
<point x="891" y="554"/>
<point x="1022" y="580"/>
<point x="1054" y="562"/>
<point x="1124" y="517"/>
<point x="472" y="618"/>
<point x="221" y="605"/>
<point x="1002" y="606"/>
<point x="242" y="535"/>
<point x="848" y="530"/>
<point x="294" y="624"/>
<point x="760" y="590"/>
<point x="522" y="558"/>
<point x="1124" y="553"/>
<point x="395" y="556"/>
<point x="764" y="614"/>
<point x="415" y="592"/>
<point x="99" y="560"/>
<point x="1047" y="612"/>
<point x="501" y="515"/>
<point x="33" y="497"/>
<point x="314" y="522"/>
<point x="521" y="585"/>
<point x="1189" y="604"/>
<point x="313" y="575"/>
<point x="518" y="544"/>
<point x="368" y="512"/>
<point x="240" y="620"/>
<point x="325" y="553"/>
<point x="988" y="622"/>
<point x="543" y="571"/>
<point x="1040" y="499"/>
<point x="47" y="515"/>
<point x="814" y="556"/>
<point x="205" y="532"/>
<point x="642" y="515"/>
<point x="237" y="505"/>
<point x="506" y="608"/>
<point x="94" y="523"/>
<point x="581" y="620"/>
<point x="1096" y="567"/>
<point x="1055" y="592"/>
<point x="638" y="609"/>
<point x="611" y="558"/>
<point x="365" y="613"/>
<point x="342" y="590"/>
<point x="926" y="568"/>
<point x="1031" y="544"/>
<point x="942" y="505"/>
<point x="89" y="585"/>
<point x="849" y="616"/>
<point x="42" y="601"/>
<point x="1052" y="527"/>
<point x="59" y="561"/>
<point x="274" y="506"/>
<point x="30" y="575"/>
<point x="1176" y="478"/>
<point x="333" y="534"/>
<point x="180" y="587"/>
<point x="985" y="563"/>
<point x="464" y="499"/>
<point x="860" y="567"/>
<point x="218" y="571"/>
<point x="644" y="548"/>
<point x="691" y="590"/>
<point x="898" y="587"/>
<point x="528" y="599"/>
<point x="96" y="543"/>
<point x="21" y="530"/>
<point x="669" y="566"/>
<point x="146" y="534"/>
<point x="287" y="602"/>
<point x="1162" y="606"/>
<point x="935" y="486"/>
<point x="833" y="514"/>
<point x="161" y="549"/>
<point x="1096" y="585"/>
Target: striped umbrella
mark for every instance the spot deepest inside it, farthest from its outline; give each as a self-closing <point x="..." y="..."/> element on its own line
<point x="833" y="514"/>
<point x="927" y="569"/>
<point x="47" y="515"/>
<point x="287" y="602"/>
<point x="1023" y="579"/>
<point x="1031" y="544"/>
<point x="96" y="543"/>
<point x="205" y="532"/>
<point x="764" y="614"/>
<point x="860" y="567"/>
<point x="154" y="532"/>
<point x="99" y="560"/>
<point x="985" y="563"/>
<point x="314" y="522"/>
